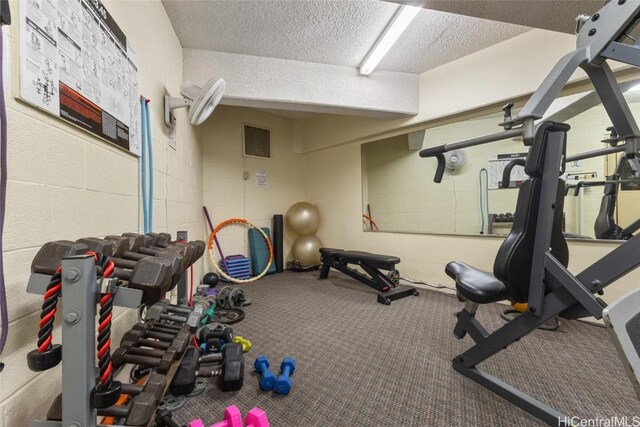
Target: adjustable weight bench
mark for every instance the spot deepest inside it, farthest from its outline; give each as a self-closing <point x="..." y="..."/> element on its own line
<point x="388" y="289"/>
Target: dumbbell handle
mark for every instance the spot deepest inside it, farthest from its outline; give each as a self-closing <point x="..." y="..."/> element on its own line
<point x="163" y="329"/>
<point x="148" y="352"/>
<point x="173" y="317"/>
<point x="178" y="309"/>
<point x="144" y="342"/>
<point x="211" y="358"/>
<point x="115" y="411"/>
<point x="132" y="389"/>
<point x="286" y="371"/>
<point x="136" y="359"/>
<point x="160" y="335"/>
<point x="209" y="372"/>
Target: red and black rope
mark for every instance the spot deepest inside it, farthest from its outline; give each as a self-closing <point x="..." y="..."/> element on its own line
<point x="48" y="313"/>
<point x="104" y="326"/>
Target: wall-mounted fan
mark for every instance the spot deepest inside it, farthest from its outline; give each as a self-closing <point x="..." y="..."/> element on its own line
<point x="455" y="159"/>
<point x="201" y="101"/>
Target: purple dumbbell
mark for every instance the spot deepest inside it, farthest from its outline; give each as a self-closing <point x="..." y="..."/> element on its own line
<point x="283" y="383"/>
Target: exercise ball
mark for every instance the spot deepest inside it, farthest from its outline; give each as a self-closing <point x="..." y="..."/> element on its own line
<point x="306" y="250"/>
<point x="303" y="218"/>
<point x="210" y="279"/>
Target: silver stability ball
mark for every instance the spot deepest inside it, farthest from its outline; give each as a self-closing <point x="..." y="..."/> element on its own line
<point x="306" y="250"/>
<point x="303" y="218"/>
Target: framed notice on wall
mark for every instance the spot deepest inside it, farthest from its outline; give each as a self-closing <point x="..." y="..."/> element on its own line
<point x="77" y="64"/>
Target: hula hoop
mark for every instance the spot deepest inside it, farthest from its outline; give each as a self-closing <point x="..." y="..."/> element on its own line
<point x="238" y="221"/>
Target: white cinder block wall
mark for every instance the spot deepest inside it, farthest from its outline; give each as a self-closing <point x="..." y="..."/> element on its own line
<point x="66" y="184"/>
<point x="228" y="195"/>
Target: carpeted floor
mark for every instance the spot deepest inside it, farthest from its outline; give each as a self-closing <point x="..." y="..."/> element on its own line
<point x="360" y="363"/>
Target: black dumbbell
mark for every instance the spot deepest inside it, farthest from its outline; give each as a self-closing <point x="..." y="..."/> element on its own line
<point x="230" y="374"/>
<point x="215" y="330"/>
<point x="158" y="332"/>
<point x="137" y="338"/>
<point x="188" y="250"/>
<point x="155" y="384"/>
<point x="159" y="359"/>
<point x="138" y="412"/>
<point x="143" y="244"/>
<point x="159" y="328"/>
<point x="151" y="275"/>
<point x="50" y="255"/>
<point x="119" y="249"/>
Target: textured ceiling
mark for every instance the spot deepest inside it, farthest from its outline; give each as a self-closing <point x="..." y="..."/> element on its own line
<point x="555" y="15"/>
<point x="435" y="38"/>
<point x="338" y="32"/>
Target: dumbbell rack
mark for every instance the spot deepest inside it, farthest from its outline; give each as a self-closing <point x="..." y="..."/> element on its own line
<point x="80" y="295"/>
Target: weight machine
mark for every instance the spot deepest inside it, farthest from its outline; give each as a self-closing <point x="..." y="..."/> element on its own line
<point x="531" y="264"/>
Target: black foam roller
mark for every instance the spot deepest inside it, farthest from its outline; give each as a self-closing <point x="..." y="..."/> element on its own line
<point x="278" y="227"/>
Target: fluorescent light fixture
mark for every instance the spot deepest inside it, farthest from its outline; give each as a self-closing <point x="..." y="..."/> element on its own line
<point x="392" y="33"/>
<point x="635" y="88"/>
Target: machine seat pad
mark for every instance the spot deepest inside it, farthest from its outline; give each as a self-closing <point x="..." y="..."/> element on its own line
<point x="383" y="262"/>
<point x="476" y="285"/>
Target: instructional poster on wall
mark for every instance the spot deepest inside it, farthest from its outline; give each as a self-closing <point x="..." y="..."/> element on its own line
<point x="77" y="64"/>
<point x="496" y="164"/>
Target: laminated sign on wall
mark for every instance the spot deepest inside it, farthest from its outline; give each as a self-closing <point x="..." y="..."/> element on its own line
<point x="77" y="64"/>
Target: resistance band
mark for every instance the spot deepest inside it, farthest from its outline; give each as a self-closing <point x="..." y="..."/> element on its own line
<point x="146" y="156"/>
<point x="484" y="172"/>
<point x="150" y="152"/>
<point x="4" y="316"/>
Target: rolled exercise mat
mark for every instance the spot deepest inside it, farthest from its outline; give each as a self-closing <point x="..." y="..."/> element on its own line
<point x="278" y="227"/>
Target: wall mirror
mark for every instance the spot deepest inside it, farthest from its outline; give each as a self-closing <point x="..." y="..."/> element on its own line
<point x="399" y="194"/>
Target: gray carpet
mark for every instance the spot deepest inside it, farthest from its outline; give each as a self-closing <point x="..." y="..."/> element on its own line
<point x="360" y="363"/>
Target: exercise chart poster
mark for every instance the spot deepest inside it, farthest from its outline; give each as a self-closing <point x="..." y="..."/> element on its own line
<point x="77" y="64"/>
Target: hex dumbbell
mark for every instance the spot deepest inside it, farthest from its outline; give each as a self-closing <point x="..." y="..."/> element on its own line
<point x="50" y="255"/>
<point x="137" y="338"/>
<point x="156" y="384"/>
<point x="161" y="360"/>
<point x="138" y="411"/>
<point x="283" y="383"/>
<point x="215" y="330"/>
<point x="151" y="275"/>
<point x="230" y="374"/>
<point x="267" y="378"/>
<point x="158" y="332"/>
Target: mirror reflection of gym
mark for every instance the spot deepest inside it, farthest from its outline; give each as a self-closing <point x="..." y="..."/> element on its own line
<point x="602" y="194"/>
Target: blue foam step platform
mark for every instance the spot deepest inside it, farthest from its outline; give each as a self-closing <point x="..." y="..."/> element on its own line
<point x="238" y="266"/>
<point x="259" y="251"/>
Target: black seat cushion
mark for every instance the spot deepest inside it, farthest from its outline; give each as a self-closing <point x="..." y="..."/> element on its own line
<point x="476" y="285"/>
<point x="383" y="262"/>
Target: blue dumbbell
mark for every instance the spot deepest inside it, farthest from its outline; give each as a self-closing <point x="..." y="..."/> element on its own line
<point x="283" y="384"/>
<point x="267" y="378"/>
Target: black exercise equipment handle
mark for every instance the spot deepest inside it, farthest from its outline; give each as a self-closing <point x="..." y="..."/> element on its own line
<point x="438" y="153"/>
<point x="506" y="173"/>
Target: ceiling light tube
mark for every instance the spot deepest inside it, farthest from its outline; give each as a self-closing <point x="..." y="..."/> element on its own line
<point x="391" y="34"/>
